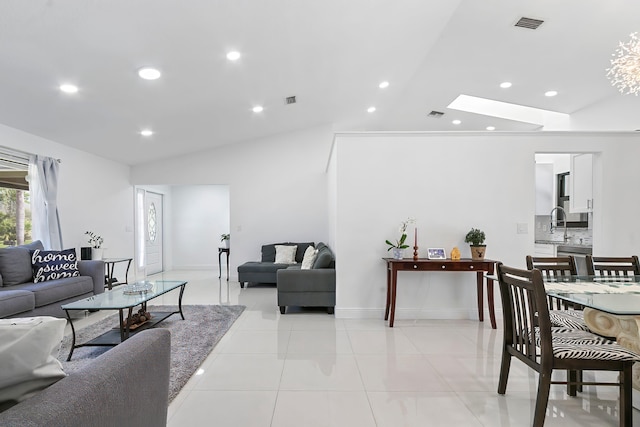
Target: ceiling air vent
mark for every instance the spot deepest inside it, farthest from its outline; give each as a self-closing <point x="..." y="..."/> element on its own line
<point x="290" y="100"/>
<point x="435" y="114"/>
<point x="530" y="23"/>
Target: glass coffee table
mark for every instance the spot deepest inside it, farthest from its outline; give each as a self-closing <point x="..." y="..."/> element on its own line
<point x="125" y="298"/>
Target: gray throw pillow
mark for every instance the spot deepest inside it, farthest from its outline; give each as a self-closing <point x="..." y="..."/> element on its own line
<point x="324" y="258"/>
<point x="36" y="244"/>
<point x="15" y="265"/>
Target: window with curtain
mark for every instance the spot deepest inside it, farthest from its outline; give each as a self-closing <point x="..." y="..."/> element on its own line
<point x="15" y="200"/>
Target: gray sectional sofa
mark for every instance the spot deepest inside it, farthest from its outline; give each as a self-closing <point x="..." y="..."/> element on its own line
<point x="315" y="287"/>
<point x="126" y="386"/>
<point x="21" y="297"/>
<point x="266" y="270"/>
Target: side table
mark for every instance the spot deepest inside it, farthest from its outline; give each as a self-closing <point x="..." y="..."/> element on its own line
<point x="227" y="251"/>
<point x="109" y="264"/>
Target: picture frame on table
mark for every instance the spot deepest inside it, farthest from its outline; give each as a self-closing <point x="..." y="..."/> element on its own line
<point x="436" y="253"/>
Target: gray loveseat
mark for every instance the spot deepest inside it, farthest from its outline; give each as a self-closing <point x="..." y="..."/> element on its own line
<point x="315" y="287"/>
<point x="21" y="297"/>
<point x="126" y="386"/>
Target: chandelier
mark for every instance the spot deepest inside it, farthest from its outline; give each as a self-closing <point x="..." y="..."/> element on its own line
<point x="625" y="66"/>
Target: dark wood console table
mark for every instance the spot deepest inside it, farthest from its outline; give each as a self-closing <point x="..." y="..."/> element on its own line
<point x="444" y="265"/>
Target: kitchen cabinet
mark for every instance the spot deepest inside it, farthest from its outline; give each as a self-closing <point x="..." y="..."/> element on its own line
<point x="544" y="188"/>
<point x="581" y="183"/>
<point x="544" y="250"/>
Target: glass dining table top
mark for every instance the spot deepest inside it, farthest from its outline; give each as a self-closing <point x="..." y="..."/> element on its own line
<point x="125" y="296"/>
<point x="618" y="295"/>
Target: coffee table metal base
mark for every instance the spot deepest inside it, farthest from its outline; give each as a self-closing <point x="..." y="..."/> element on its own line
<point x="117" y="335"/>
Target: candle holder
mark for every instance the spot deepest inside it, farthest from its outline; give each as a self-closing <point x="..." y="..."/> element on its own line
<point x="415" y="253"/>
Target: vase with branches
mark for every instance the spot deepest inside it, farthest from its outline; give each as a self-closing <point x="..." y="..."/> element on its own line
<point x="225" y="239"/>
<point x="94" y="240"/>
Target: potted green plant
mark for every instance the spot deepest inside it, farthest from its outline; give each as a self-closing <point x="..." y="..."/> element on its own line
<point x="475" y="238"/>
<point x="225" y="238"/>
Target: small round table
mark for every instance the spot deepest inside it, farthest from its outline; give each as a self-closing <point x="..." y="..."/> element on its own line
<point x="220" y="252"/>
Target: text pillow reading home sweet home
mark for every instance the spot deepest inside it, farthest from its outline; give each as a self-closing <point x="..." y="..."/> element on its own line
<point x="51" y="265"/>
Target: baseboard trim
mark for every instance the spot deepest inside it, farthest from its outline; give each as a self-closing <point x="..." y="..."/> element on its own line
<point x="196" y="267"/>
<point x="412" y="314"/>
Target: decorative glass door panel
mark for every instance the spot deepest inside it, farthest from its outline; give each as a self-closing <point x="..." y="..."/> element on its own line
<point x="153" y="228"/>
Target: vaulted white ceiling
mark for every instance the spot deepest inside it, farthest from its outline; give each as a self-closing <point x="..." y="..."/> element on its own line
<point x="330" y="54"/>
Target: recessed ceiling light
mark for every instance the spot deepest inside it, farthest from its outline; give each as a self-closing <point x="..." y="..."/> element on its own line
<point x="371" y="109"/>
<point x="257" y="109"/>
<point x="146" y="132"/>
<point x="69" y="88"/>
<point x="491" y="128"/>
<point x="551" y="93"/>
<point x="505" y="85"/>
<point x="233" y="55"/>
<point x="149" y="73"/>
<point x="456" y="122"/>
<point x="383" y="85"/>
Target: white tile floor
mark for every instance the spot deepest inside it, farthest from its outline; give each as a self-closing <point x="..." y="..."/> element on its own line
<point x="308" y="368"/>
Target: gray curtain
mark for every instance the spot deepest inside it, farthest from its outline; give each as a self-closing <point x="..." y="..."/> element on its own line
<point x="43" y="188"/>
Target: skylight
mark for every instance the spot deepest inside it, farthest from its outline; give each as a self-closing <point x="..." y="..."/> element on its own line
<point x="506" y="110"/>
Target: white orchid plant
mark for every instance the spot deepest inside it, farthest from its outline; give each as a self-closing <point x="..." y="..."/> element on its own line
<point x="400" y="243"/>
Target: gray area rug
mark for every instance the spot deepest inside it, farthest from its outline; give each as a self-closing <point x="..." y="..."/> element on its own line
<point x="192" y="339"/>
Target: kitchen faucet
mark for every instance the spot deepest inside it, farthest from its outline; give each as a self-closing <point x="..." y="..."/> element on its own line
<point x="564" y="215"/>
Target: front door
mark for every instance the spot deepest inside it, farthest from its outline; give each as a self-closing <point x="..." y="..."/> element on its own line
<point x="153" y="240"/>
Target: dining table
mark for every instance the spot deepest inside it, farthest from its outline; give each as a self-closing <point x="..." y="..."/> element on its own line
<point x="611" y="306"/>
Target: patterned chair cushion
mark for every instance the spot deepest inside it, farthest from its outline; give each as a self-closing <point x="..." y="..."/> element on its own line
<point x="576" y="344"/>
<point x="572" y="336"/>
<point x="577" y="336"/>
<point x="568" y="350"/>
<point x="573" y="319"/>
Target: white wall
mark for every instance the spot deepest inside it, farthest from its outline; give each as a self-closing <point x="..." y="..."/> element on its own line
<point x="200" y="214"/>
<point x="277" y="186"/>
<point x="451" y="183"/>
<point x="93" y="193"/>
<point x="332" y="199"/>
<point x="616" y="112"/>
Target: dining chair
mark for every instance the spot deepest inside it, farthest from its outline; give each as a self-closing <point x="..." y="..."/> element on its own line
<point x="562" y="266"/>
<point x="561" y="314"/>
<point x="613" y="266"/>
<point x="529" y="337"/>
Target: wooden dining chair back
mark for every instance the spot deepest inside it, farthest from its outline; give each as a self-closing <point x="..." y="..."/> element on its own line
<point x="613" y="266"/>
<point x="554" y="267"/>
<point x="529" y="337"/>
<point x="562" y="266"/>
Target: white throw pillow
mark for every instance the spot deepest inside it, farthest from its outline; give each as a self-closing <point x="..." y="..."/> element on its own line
<point x="29" y="349"/>
<point x="309" y="258"/>
<point x="286" y="254"/>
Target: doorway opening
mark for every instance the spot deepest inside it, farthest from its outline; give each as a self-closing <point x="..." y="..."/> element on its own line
<point x="564" y="205"/>
<point x="179" y="227"/>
